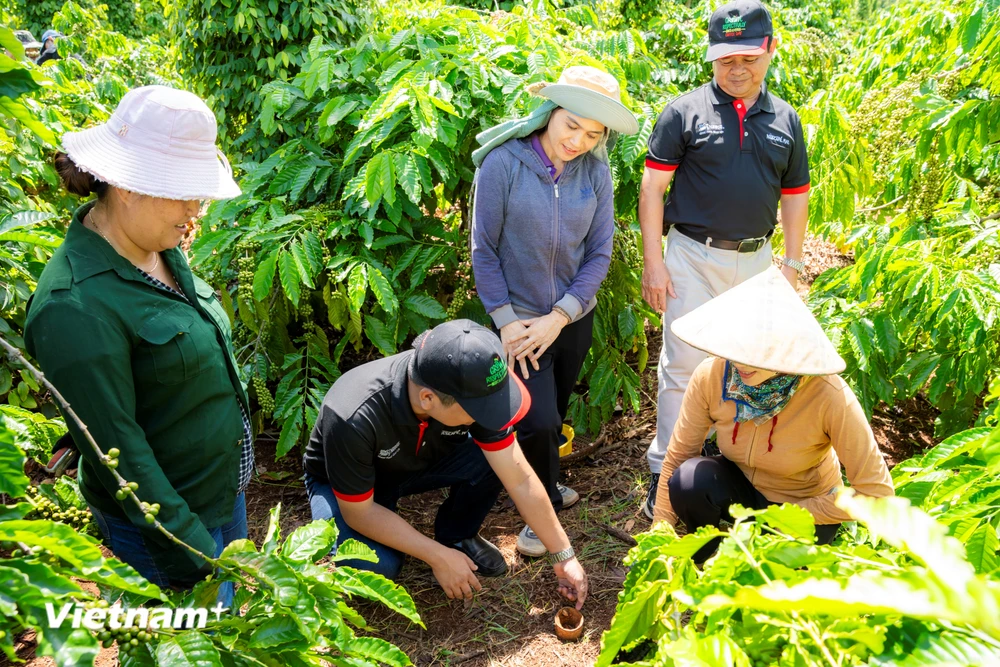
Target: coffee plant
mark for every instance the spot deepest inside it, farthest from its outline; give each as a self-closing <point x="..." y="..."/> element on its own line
<point x="357" y="217"/>
<point x="37" y="15"/>
<point x="907" y="584"/>
<point x="351" y="125"/>
<point x="231" y="49"/>
<point x="909" y="183"/>
<point x="293" y="596"/>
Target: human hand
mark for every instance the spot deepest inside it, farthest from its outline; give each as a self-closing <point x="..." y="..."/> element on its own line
<point x="656" y="284"/>
<point x="455" y="573"/>
<point x="791" y="275"/>
<point x="540" y="334"/>
<point x="510" y="334"/>
<point x="572" y="581"/>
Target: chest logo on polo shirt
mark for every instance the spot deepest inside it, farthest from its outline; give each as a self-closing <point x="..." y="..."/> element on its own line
<point x="389" y="453"/>
<point x="778" y="139"/>
<point x="706" y="129"/>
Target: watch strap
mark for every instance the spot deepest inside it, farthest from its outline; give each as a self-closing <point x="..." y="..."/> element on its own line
<point x="563" y="555"/>
<point x="798" y="265"/>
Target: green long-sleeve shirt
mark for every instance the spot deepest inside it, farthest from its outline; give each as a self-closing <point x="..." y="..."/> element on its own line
<point x="149" y="374"/>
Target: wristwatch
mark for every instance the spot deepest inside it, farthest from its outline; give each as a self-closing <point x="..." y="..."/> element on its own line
<point x="563" y="555"/>
<point x="795" y="264"/>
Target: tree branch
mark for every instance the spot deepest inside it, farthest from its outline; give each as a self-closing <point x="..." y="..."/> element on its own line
<point x="879" y="208"/>
<point x="16" y="355"/>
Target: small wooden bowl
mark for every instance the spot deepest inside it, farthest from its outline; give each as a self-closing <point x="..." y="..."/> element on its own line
<point x="569" y="624"/>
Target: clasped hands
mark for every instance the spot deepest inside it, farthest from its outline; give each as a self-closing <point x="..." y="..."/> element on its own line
<point x="527" y="340"/>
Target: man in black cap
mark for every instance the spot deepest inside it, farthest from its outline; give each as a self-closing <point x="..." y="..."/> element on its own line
<point x="734" y="152"/>
<point x="438" y="416"/>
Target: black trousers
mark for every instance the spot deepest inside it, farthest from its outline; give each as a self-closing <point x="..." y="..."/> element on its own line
<point x="703" y="488"/>
<point x="474" y="489"/>
<point x="550" y="388"/>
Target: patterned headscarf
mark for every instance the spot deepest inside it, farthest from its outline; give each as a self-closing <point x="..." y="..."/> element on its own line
<point x="760" y="403"/>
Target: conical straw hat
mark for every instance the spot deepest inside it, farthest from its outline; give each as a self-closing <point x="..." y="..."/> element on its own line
<point x="761" y="323"/>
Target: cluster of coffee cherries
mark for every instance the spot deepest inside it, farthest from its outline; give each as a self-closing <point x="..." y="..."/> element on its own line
<point x="461" y="294"/>
<point x="150" y="510"/>
<point x="264" y="398"/>
<point x="75" y="517"/>
<point x="306" y="317"/>
<point x="245" y="267"/>
<point x="129" y="639"/>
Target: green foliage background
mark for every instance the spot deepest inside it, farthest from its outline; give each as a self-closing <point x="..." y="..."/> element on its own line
<point x="351" y="124"/>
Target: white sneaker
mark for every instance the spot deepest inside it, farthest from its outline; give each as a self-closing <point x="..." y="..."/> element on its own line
<point x="569" y="496"/>
<point x="529" y="544"/>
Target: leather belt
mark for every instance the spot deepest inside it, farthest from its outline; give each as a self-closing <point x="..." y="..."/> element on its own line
<point x="745" y="245"/>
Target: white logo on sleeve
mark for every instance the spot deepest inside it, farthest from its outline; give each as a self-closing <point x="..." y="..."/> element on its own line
<point x="389" y="453"/>
<point x="460" y="431"/>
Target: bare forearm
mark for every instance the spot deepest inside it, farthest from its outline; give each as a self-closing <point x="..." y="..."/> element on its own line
<point x="651" y="221"/>
<point x="388" y="528"/>
<point x="794" y="218"/>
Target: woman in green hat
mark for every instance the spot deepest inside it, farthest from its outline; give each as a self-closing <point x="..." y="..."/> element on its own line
<point x="542" y="227"/>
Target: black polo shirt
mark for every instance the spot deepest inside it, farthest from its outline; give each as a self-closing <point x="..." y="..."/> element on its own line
<point x="732" y="164"/>
<point x="367" y="433"/>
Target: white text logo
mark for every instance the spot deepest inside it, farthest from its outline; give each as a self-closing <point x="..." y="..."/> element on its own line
<point x="778" y="140"/>
<point x="389" y="453"/>
<point x="117" y="617"/>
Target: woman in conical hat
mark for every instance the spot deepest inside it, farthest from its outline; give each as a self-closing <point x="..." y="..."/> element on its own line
<point x="542" y="227"/>
<point x="785" y="420"/>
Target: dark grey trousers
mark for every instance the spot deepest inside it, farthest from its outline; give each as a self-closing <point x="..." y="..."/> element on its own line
<point x="703" y="488"/>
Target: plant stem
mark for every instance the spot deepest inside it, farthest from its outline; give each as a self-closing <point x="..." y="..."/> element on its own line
<point x="808" y="626"/>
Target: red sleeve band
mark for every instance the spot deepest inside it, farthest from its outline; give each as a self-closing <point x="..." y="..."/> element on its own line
<point x="660" y="166"/>
<point x="525" y="402"/>
<point x="496" y="446"/>
<point x="795" y="191"/>
<point x="355" y="498"/>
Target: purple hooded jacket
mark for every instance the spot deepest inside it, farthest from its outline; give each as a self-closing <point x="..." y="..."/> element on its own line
<point x="535" y="243"/>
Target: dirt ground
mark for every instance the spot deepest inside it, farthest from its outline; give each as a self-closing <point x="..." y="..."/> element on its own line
<point x="510" y="624"/>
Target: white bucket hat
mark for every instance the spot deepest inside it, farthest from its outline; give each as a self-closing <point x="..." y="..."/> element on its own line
<point x="159" y="142"/>
<point x="761" y="323"/>
<point x="590" y="93"/>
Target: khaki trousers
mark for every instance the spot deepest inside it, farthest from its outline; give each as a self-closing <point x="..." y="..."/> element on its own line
<point x="699" y="273"/>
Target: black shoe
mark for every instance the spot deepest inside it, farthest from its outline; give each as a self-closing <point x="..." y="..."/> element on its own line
<point x="487" y="557"/>
<point x="651" y="496"/>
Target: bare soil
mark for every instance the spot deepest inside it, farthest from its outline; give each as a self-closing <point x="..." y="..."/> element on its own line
<point x="510" y="623"/>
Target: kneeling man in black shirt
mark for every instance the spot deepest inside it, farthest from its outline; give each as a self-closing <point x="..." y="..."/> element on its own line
<point x="439" y="415"/>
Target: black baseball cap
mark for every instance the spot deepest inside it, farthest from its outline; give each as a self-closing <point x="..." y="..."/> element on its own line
<point x="466" y="360"/>
<point x="739" y="28"/>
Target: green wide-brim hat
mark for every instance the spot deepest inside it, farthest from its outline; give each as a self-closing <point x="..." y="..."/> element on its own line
<point x="590" y="93"/>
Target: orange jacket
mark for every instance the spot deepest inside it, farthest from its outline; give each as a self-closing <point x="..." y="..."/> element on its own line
<point x="821" y="427"/>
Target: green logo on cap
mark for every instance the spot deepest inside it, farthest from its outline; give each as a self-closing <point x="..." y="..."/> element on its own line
<point x="498" y="371"/>
<point x="734" y="26"/>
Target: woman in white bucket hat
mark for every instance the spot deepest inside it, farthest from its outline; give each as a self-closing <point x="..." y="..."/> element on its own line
<point x="785" y="420"/>
<point x="542" y="227"/>
<point x="139" y="345"/>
